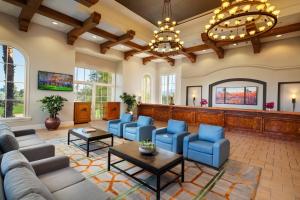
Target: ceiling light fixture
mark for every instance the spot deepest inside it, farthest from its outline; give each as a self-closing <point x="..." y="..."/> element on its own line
<point x="95" y="37"/>
<point x="55" y="23"/>
<point x="166" y="39"/>
<point x="240" y="20"/>
<point x="278" y="36"/>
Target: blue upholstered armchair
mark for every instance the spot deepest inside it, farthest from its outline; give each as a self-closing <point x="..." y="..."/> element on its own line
<point x="208" y="146"/>
<point x="116" y="126"/>
<point x="171" y="137"/>
<point x="140" y="130"/>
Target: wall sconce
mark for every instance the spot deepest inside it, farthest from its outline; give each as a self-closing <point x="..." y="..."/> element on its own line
<point x="294" y="102"/>
<point x="194" y="100"/>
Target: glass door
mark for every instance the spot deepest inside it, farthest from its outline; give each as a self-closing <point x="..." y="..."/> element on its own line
<point x="102" y="94"/>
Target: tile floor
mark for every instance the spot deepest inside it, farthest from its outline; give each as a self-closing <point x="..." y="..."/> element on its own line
<point x="279" y="160"/>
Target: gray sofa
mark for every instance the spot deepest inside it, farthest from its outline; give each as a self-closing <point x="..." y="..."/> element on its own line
<point x="26" y="141"/>
<point x="50" y="179"/>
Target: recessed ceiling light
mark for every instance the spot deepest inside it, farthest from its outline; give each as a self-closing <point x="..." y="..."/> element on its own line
<point x="278" y="36"/>
<point x="204" y="49"/>
<point x="235" y="44"/>
<point x="55" y="23"/>
<point x="95" y="37"/>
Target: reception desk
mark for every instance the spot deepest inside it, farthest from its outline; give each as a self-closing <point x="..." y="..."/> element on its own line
<point x="269" y="123"/>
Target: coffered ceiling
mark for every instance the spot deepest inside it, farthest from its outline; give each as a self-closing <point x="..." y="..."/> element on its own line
<point x="118" y="20"/>
<point x="151" y="10"/>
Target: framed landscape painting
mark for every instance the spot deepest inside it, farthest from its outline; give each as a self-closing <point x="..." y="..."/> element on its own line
<point x="235" y="95"/>
<point x="220" y="95"/>
<point x="55" y="81"/>
<point x="251" y="95"/>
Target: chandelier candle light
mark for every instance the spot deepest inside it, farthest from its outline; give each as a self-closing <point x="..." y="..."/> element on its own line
<point x="166" y="39"/>
<point x="240" y="20"/>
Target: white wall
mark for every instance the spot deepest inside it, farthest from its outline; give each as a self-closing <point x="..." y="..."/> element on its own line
<point x="287" y="92"/>
<point x="240" y="84"/>
<point x="278" y="62"/>
<point x="46" y="50"/>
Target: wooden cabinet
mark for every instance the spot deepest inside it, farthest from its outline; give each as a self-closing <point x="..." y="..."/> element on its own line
<point x="82" y="112"/>
<point x="269" y="123"/>
<point x="111" y="110"/>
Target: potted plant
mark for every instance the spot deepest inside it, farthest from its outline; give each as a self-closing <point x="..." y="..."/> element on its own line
<point x="269" y="105"/>
<point x="129" y="100"/>
<point x="203" y="102"/>
<point x="52" y="104"/>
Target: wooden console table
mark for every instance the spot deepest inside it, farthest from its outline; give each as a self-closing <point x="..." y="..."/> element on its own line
<point x="268" y="123"/>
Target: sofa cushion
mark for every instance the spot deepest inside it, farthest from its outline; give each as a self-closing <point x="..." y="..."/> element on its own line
<point x="176" y="126"/>
<point x="84" y="190"/>
<point x="20" y="182"/>
<point x="1" y="188"/>
<point x="202" y="146"/>
<point x="14" y="159"/>
<point x="70" y="177"/>
<point x="8" y="142"/>
<point x="144" y="121"/>
<point x="26" y="137"/>
<point x="131" y="130"/>
<point x="26" y="143"/>
<point x="126" y="117"/>
<point x="33" y="196"/>
<point x="166" y="138"/>
<point x="130" y="136"/>
<point x="211" y="133"/>
<point x="114" y="125"/>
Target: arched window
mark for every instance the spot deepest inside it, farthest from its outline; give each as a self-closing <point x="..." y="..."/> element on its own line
<point x="12" y="82"/>
<point x="146" y="90"/>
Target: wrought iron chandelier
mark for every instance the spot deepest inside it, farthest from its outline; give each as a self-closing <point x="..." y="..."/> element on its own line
<point x="166" y="39"/>
<point x="239" y="20"/>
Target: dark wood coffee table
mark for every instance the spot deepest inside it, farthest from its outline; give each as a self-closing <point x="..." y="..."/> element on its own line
<point x="158" y="164"/>
<point x="91" y="137"/>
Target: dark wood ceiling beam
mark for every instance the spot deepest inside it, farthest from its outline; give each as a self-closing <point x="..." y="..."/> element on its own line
<point x="171" y="61"/>
<point x="130" y="53"/>
<point x="200" y="47"/>
<point x="88" y="3"/>
<point x="146" y="60"/>
<point x="27" y="13"/>
<point x="122" y="39"/>
<point x="88" y="24"/>
<point x="219" y="50"/>
<point x="191" y="56"/>
<point x="256" y="44"/>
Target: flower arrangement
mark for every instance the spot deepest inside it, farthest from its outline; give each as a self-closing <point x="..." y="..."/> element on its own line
<point x="203" y="102"/>
<point x="147" y="147"/>
<point x="269" y="105"/>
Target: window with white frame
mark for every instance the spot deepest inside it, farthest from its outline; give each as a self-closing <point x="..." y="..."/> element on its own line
<point x="12" y="82"/>
<point x="93" y="86"/>
<point x="168" y="87"/>
<point x="146" y="90"/>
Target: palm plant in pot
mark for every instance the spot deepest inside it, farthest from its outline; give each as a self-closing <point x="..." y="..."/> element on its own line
<point x="129" y="100"/>
<point x="52" y="104"/>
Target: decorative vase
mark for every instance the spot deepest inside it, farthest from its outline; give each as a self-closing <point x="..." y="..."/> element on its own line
<point x="52" y="123"/>
<point x="146" y="151"/>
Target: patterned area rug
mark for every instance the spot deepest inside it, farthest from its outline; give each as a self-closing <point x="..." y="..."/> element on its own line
<point x="236" y="180"/>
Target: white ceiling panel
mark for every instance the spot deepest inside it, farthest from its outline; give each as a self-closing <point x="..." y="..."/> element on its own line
<point x="178" y="56"/>
<point x="9" y="9"/>
<point x="142" y="55"/>
<point x="93" y="38"/>
<point x="45" y="21"/>
<point x="109" y="28"/>
<point x="69" y="7"/>
<point x="121" y="47"/>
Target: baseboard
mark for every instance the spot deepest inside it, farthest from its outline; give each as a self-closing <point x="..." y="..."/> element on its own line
<point x="64" y="124"/>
